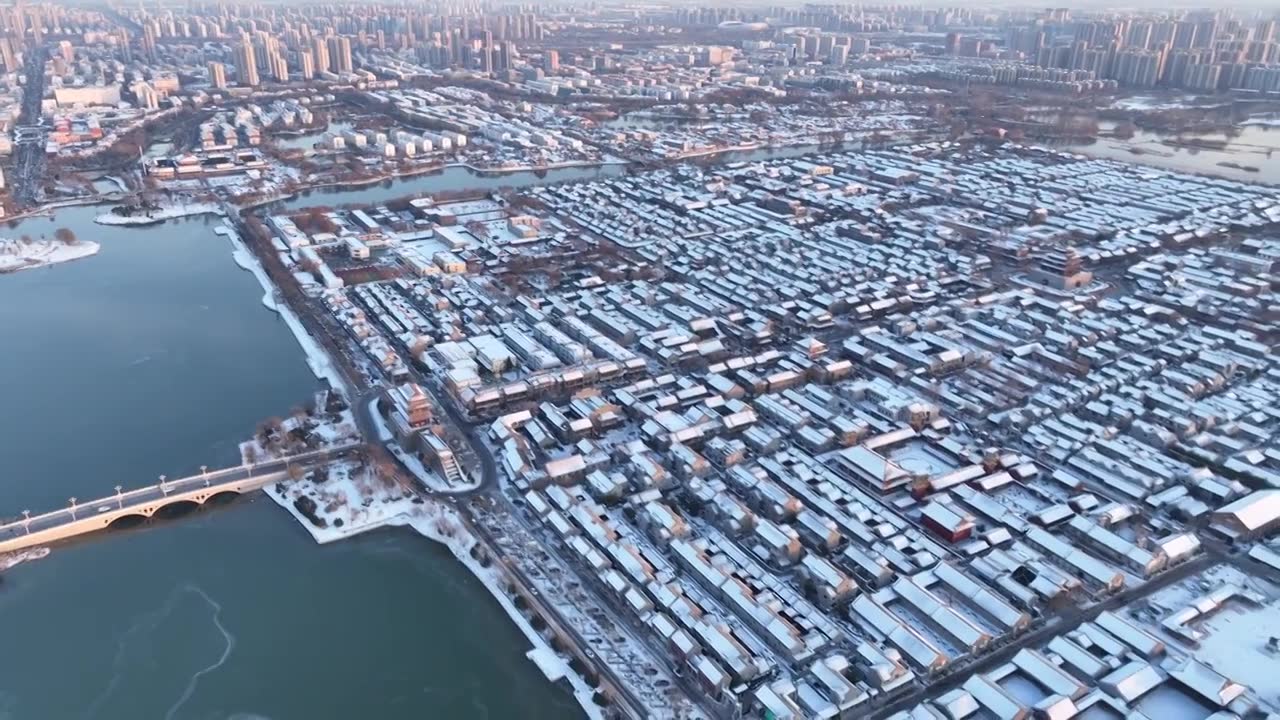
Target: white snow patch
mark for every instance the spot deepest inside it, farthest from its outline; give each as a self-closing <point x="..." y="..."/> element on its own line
<point x="325" y="431"/>
<point x="1235" y="645"/>
<point x="168" y="212"/>
<point x="1146" y="102"/>
<point x="349" y="502"/>
<point x="9" y="560"/>
<point x="16" y="255"/>
<point x="551" y="664"/>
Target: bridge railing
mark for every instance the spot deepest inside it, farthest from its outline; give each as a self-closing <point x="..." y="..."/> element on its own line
<point x="128" y="497"/>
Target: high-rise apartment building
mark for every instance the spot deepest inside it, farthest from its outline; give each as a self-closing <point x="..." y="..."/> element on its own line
<point x="246" y="64"/>
<point x="339" y="54"/>
<point x="306" y="64"/>
<point x="320" y="54"/>
<point x="217" y="75"/>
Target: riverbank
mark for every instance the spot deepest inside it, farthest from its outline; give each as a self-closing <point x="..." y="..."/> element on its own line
<point x="317" y="358"/>
<point x="370" y="506"/>
<point x="386" y="612"/>
<point x="16" y="255"/>
<point x="488" y="176"/>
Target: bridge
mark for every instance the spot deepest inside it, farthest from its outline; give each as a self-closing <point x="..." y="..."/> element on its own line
<point x="83" y="518"/>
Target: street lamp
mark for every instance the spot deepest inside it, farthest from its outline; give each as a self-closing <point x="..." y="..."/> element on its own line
<point x="119" y="497"/>
<point x="204" y="472"/>
<point x="163" y="489"/>
<point x="73" y="508"/>
<point x="26" y="520"/>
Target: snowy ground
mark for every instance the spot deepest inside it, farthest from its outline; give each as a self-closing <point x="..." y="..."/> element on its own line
<point x="351" y="501"/>
<point x="322" y="430"/>
<point x="1236" y="634"/>
<point x="16" y="255"/>
<point x="165" y="213"/>
<point x="317" y="359"/>
<point x="1146" y="102"/>
<point x="1236" y="646"/>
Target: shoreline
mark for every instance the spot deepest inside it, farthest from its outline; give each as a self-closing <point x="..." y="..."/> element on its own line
<point x="436" y="522"/>
<point x="396" y="177"/>
<point x="423" y="517"/>
<point x="317" y="358"/>
<point x="43" y="253"/>
<point x="171" y="212"/>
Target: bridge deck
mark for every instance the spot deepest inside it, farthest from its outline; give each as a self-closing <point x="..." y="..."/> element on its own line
<point x="100" y="513"/>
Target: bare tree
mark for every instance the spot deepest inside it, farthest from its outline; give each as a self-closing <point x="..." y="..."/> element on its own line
<point x="386" y="473"/>
<point x="65" y="235"/>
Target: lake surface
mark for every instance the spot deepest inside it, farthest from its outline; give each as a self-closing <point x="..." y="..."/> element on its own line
<point x="308" y="140"/>
<point x="156" y="356"/>
<point x="1254" y="145"/>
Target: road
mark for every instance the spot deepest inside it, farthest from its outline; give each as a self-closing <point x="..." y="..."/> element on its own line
<point x="27" y="174"/>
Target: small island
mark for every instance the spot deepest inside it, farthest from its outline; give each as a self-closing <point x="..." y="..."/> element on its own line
<point x="147" y="212"/>
<point x="25" y="253"/>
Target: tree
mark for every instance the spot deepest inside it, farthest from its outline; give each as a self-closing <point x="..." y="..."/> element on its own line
<point x="65" y="235"/>
<point x="386" y="473"/>
<point x="294" y="472"/>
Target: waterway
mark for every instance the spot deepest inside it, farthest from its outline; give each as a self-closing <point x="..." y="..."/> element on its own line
<point x="156" y="356"/>
<point x="1253" y="145"/>
<point x="308" y="140"/>
<point x="452" y="178"/>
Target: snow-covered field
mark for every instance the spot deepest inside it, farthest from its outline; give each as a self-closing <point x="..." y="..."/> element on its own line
<point x="16" y="255"/>
<point x="154" y="216"/>
<point x="349" y="500"/>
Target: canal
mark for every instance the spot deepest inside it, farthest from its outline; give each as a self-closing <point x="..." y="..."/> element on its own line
<point x="451" y="178"/>
<point x="157" y="356"/>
